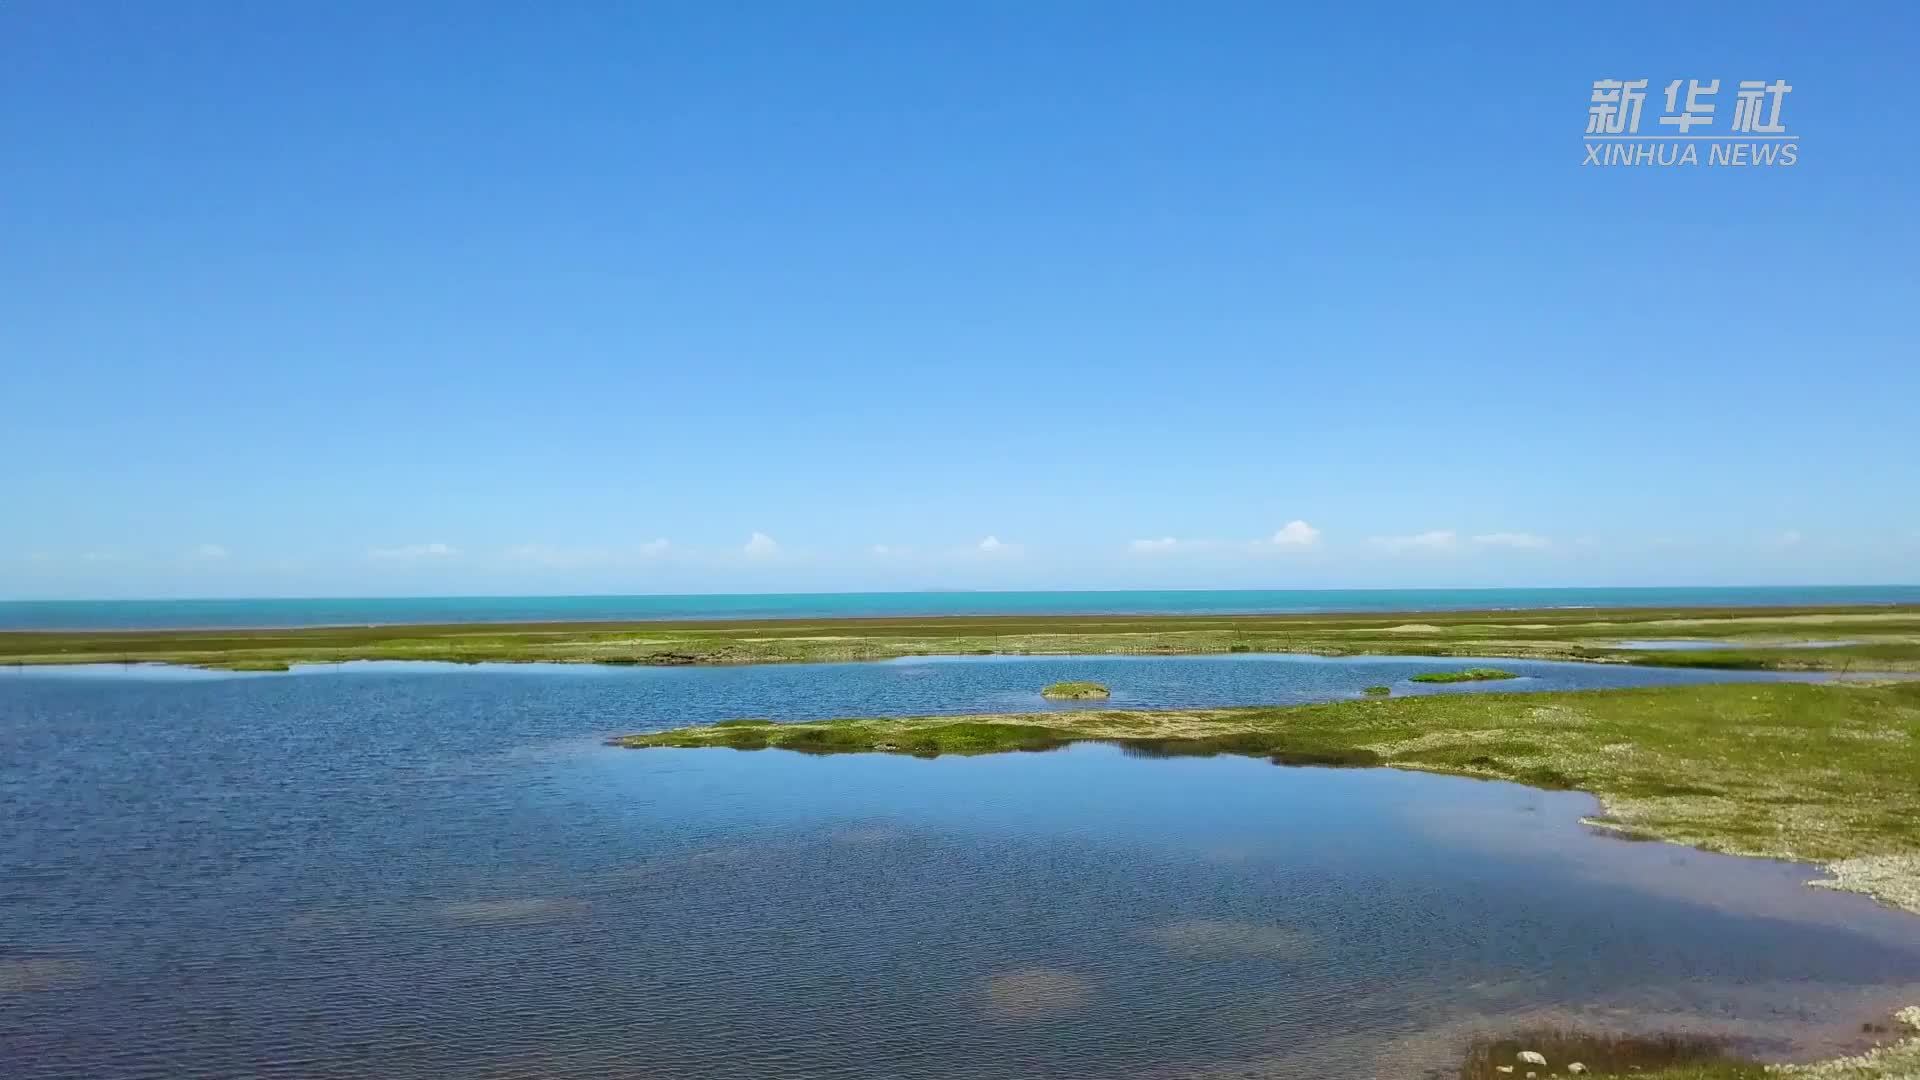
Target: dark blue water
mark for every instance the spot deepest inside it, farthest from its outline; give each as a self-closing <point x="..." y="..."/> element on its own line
<point x="152" y="614"/>
<point x="387" y="871"/>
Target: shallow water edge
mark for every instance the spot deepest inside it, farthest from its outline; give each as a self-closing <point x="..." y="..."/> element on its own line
<point x="1712" y="766"/>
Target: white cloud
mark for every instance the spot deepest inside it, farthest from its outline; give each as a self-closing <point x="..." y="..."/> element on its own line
<point x="414" y="551"/>
<point x="1293" y="536"/>
<point x="210" y="551"/>
<point x="657" y="546"/>
<point x="1431" y="540"/>
<point x="1512" y="540"/>
<point x="1296" y="534"/>
<point x="761" y="546"/>
<point x="1790" y="538"/>
<point x="993" y="545"/>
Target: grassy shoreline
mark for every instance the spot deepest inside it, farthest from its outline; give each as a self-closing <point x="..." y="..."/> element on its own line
<point x="1825" y="773"/>
<point x="1876" y="638"/>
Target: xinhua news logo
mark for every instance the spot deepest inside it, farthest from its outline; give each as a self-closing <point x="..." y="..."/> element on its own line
<point x="1756" y="133"/>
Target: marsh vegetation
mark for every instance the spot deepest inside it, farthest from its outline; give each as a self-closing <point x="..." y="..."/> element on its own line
<point x="1479" y="674"/>
<point x="1878" y="638"/>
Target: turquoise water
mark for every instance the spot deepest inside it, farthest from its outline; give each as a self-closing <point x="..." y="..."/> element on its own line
<point x="157" y="614"/>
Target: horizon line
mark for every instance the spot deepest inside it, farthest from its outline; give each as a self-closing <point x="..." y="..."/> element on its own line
<point x="987" y="590"/>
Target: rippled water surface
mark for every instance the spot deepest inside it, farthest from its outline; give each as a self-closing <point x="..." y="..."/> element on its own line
<point x="394" y="871"/>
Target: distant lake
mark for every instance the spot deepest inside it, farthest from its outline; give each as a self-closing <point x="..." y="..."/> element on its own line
<point x="158" y="614"/>
<point x="411" y="871"/>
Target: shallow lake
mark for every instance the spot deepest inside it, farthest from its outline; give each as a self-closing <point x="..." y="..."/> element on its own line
<point x="397" y="871"/>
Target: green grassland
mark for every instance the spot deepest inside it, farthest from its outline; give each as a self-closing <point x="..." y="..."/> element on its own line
<point x="1879" y="638"/>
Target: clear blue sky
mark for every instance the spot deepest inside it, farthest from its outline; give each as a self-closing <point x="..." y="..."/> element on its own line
<point x="371" y="298"/>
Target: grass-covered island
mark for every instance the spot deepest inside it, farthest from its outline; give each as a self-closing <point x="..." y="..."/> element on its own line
<point x="1826" y="773"/>
<point x="1857" y="638"/>
<point x="1076" y="691"/>
<point x="1478" y="674"/>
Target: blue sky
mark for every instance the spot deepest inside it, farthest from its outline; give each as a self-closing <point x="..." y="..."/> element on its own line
<point x="364" y="298"/>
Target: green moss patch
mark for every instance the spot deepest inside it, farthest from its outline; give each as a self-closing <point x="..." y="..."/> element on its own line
<point x="1076" y="691"/>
